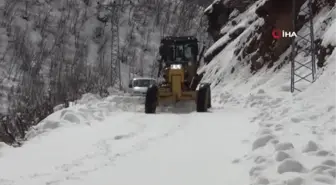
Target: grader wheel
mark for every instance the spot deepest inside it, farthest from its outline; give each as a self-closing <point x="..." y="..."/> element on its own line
<point x="151" y="99"/>
<point x="203" y="101"/>
<point x="209" y="97"/>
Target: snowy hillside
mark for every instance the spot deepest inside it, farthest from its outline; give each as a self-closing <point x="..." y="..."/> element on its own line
<point x="296" y="140"/>
<point x="257" y="132"/>
<point x="59" y="42"/>
<point x="53" y="52"/>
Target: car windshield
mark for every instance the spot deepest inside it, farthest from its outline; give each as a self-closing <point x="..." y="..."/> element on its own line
<point x="142" y="83"/>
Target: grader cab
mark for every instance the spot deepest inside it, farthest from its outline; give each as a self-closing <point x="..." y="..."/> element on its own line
<point x="178" y="67"/>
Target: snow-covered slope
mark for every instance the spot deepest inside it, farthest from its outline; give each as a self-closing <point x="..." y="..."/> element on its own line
<point x="257" y="133"/>
<point x="296" y="141"/>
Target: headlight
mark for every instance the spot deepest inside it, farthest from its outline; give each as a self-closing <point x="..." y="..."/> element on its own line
<point x="176" y="66"/>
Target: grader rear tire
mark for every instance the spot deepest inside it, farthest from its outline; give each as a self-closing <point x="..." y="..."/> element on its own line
<point x="203" y="99"/>
<point x="151" y="100"/>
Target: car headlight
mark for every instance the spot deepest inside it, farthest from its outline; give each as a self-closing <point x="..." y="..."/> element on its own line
<point x="176" y="66"/>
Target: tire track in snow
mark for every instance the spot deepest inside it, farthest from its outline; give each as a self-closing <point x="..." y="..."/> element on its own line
<point x="101" y="145"/>
<point x="105" y="147"/>
<point x="64" y="169"/>
<point x="6" y="182"/>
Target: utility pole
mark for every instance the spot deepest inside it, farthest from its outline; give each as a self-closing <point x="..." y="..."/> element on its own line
<point x="304" y="68"/>
<point x="115" y="40"/>
<point x="114" y="7"/>
<point x="114" y="16"/>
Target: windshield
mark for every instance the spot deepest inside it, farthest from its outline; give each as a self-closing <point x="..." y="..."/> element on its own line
<point x="143" y="83"/>
<point x="180" y="53"/>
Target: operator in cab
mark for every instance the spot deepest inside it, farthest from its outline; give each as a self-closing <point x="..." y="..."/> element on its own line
<point x="177" y="53"/>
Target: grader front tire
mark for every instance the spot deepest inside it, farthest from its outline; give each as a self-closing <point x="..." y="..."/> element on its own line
<point x="151" y="100"/>
<point x="209" y="98"/>
<point x="203" y="101"/>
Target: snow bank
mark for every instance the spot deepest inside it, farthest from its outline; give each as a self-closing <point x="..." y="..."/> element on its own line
<point x="86" y="111"/>
<point x="295" y="143"/>
<point x="2" y="146"/>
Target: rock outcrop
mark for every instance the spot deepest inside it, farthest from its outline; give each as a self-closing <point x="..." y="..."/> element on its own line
<point x="218" y="14"/>
<point x="261" y="48"/>
<point x="277" y="15"/>
<point x="221" y="11"/>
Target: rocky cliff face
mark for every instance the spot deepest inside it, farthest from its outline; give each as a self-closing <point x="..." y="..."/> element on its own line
<point x="261" y="48"/>
<point x="220" y="12"/>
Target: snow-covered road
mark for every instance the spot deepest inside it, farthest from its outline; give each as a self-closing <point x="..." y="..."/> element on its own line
<point x="134" y="148"/>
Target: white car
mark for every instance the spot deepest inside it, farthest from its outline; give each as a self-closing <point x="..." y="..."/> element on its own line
<point x="139" y="86"/>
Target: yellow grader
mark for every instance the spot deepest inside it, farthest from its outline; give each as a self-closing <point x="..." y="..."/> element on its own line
<point x="178" y="67"/>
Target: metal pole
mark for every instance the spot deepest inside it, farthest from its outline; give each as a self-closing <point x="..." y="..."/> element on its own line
<point x="118" y="44"/>
<point x="293" y="48"/>
<point x="112" y="70"/>
<point x="310" y="3"/>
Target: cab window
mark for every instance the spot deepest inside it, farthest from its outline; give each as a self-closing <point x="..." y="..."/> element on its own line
<point x="181" y="52"/>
